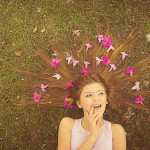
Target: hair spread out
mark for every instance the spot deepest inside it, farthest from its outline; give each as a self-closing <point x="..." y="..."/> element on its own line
<point x="117" y="83"/>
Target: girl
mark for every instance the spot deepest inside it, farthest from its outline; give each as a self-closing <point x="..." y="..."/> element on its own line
<point x="91" y="131"/>
<point x="97" y="75"/>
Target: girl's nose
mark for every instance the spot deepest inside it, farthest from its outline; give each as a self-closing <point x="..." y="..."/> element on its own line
<point x="95" y="98"/>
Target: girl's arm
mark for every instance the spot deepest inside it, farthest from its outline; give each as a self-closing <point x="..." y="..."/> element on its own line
<point x="64" y="134"/>
<point x="119" y="137"/>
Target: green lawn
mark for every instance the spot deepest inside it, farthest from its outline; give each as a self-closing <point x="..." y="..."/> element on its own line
<point x="27" y="25"/>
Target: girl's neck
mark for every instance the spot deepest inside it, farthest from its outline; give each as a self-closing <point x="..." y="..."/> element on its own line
<point x="85" y="123"/>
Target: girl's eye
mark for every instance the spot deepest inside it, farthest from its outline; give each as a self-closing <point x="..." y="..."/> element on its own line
<point x="89" y="95"/>
<point x="101" y="93"/>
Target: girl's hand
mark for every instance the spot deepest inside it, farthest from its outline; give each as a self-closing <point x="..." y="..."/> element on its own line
<point x="93" y="122"/>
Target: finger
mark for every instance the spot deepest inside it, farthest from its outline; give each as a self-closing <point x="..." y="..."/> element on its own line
<point x="95" y="114"/>
<point x="91" y="111"/>
<point x="95" y="120"/>
<point x="87" y="113"/>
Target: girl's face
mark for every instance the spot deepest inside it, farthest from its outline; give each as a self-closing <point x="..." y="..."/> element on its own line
<point x="93" y="95"/>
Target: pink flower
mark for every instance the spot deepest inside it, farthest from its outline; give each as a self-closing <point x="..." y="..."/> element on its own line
<point x="112" y="67"/>
<point x="85" y="71"/>
<point x="136" y="86"/>
<point x="100" y="38"/>
<point x="43" y="87"/>
<point x="130" y="71"/>
<point x="55" y="63"/>
<point x="123" y="55"/>
<point x="57" y="76"/>
<point x="88" y="46"/>
<point x="69" y="59"/>
<point x="139" y="100"/>
<point x="68" y="104"/>
<point x="98" y="60"/>
<point x="105" y="61"/>
<point x="68" y="101"/>
<point x="37" y="97"/>
<point x="65" y="96"/>
<point x="107" y="41"/>
<point x="77" y="32"/>
<point x="86" y="64"/>
<point x="110" y="48"/>
<point x="75" y="63"/>
<point x="69" y="85"/>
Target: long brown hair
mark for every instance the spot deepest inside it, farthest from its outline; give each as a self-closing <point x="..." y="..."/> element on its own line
<point x="117" y="83"/>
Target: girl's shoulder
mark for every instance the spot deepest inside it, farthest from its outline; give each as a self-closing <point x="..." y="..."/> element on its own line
<point x="117" y="129"/>
<point x="67" y="122"/>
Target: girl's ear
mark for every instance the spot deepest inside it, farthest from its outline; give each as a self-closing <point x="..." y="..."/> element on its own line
<point x="106" y="102"/>
<point x="79" y="103"/>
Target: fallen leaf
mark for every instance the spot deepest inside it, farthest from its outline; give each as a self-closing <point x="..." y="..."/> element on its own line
<point x="39" y="9"/>
<point x="18" y="53"/>
<point x="35" y="29"/>
<point x="2" y="43"/>
<point x="13" y="44"/>
<point x="43" y="30"/>
<point x="128" y="114"/>
<point x="146" y="83"/>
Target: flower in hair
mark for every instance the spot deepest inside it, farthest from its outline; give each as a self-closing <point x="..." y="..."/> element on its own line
<point x="75" y="63"/>
<point x="69" y="85"/>
<point x="55" y="53"/>
<point x="100" y="38"/>
<point x="69" y="59"/>
<point x="136" y="87"/>
<point x="86" y="64"/>
<point x="88" y="46"/>
<point x="123" y="55"/>
<point x="130" y="71"/>
<point x="110" y="48"/>
<point x="77" y="32"/>
<point x="68" y="102"/>
<point x="55" y="63"/>
<point x="43" y="87"/>
<point x="107" y="41"/>
<point x="98" y="60"/>
<point x="85" y="71"/>
<point x="37" y="96"/>
<point x="139" y="99"/>
<point x="112" y="67"/>
<point x="105" y="61"/>
<point x="57" y="76"/>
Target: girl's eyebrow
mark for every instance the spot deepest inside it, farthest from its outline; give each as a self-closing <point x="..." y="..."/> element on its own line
<point x="92" y="92"/>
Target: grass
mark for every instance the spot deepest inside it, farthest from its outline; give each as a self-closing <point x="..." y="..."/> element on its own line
<point x="36" y="127"/>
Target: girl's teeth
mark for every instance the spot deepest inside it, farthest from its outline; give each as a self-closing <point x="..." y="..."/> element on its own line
<point x="97" y="106"/>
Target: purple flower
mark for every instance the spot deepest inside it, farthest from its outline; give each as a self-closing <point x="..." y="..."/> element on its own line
<point x="86" y="64"/>
<point x="100" y="38"/>
<point x="43" y="87"/>
<point x="88" y="46"/>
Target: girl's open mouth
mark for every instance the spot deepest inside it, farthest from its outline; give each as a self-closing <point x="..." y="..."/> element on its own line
<point x="97" y="106"/>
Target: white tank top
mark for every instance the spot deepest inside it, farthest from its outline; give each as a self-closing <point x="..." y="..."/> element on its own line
<point x="79" y="135"/>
